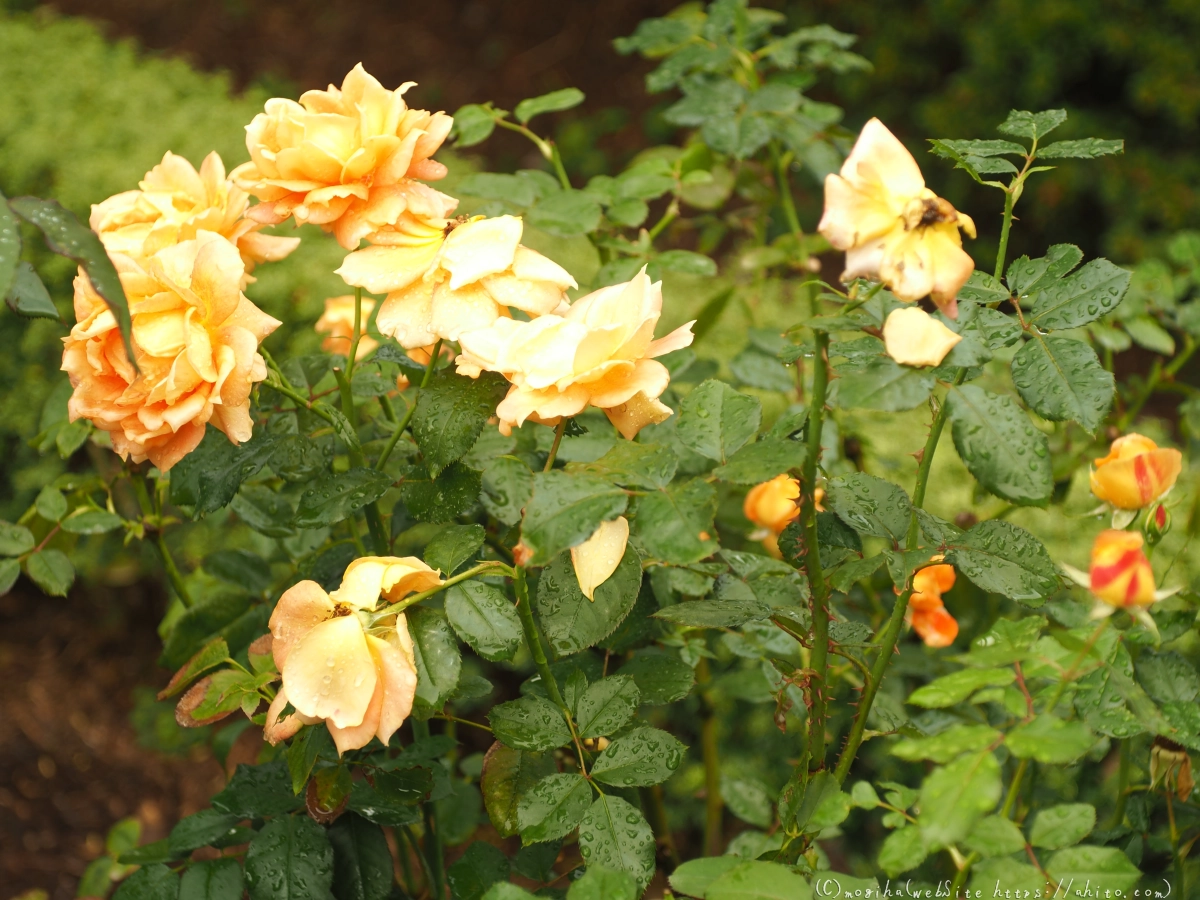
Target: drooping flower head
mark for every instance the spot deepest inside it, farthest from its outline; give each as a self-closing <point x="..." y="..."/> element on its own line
<point x="174" y="203"/>
<point x="462" y="279"/>
<point x="912" y="337"/>
<point x="892" y="227"/>
<point x="338" y="322"/>
<point x="340" y="665"/>
<point x="599" y="352"/>
<point x="930" y="619"/>
<point x="317" y="159"/>
<point x="195" y="339"/>
<point x="1135" y="473"/>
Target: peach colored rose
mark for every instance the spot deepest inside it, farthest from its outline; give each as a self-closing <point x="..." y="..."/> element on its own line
<point x="338" y="322"/>
<point x="598" y="557"/>
<point x="930" y="619"/>
<point x="175" y="202"/>
<point x="892" y="227"/>
<point x="195" y="338"/>
<point x="912" y="337"/>
<point x="772" y="504"/>
<point x="1120" y="574"/>
<point x="475" y="274"/>
<point x="328" y="155"/>
<point x="339" y="663"/>
<point x="1135" y="473"/>
<point x="599" y="352"/>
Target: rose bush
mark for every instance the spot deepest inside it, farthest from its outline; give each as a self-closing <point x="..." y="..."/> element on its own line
<point x="518" y="563"/>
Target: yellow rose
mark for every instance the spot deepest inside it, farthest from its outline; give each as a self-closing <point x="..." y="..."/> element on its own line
<point x="175" y="202"/>
<point x="195" y="338"/>
<point x="598" y="557"/>
<point x="1136" y="472"/>
<point x="892" y="227"/>
<point x="339" y="664"/>
<point x="338" y="322"/>
<point x="598" y="352"/>
<point x="1120" y="573"/>
<point x="473" y="276"/>
<point x="328" y="155"/>
<point x="912" y="337"/>
<point x="772" y="504"/>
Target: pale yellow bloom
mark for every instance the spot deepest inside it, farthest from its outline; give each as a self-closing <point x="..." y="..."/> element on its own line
<point x="474" y="275"/>
<point x="598" y="557"/>
<point x="338" y="322"/>
<point x="174" y="203"/>
<point x="892" y="227"/>
<point x="912" y="337"/>
<point x="598" y="352"/>
<point x="330" y="154"/>
<point x="339" y="664"/>
<point x="195" y="338"/>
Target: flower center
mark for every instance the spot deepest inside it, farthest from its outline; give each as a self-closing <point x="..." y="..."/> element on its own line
<point x="922" y="212"/>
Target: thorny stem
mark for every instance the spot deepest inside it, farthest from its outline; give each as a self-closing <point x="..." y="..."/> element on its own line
<point x="1005" y="227"/>
<point x="558" y="435"/>
<point x="819" y="658"/>
<point x="713" y="802"/>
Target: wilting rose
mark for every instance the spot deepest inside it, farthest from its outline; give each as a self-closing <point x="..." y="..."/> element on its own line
<point x="1136" y="472"/>
<point x="892" y="227"/>
<point x="930" y="619"/>
<point x="1120" y="573"/>
<point x="598" y="557"/>
<point x="195" y="338"/>
<point x="475" y="274"/>
<point x="599" y="352"/>
<point x="338" y="322"/>
<point x="338" y="663"/>
<point x="912" y="337"/>
<point x="328" y="155"/>
<point x="174" y="203"/>
<point x="1171" y="766"/>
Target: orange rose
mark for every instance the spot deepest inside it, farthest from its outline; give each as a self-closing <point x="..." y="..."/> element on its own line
<point x="195" y="338"/>
<point x="329" y="154"/>
<point x="175" y="203"/>
<point x="338" y="322"/>
<point x="936" y="627"/>
<point x="772" y="504"/>
<point x="1135" y="473"/>
<point x="930" y="620"/>
<point x="1120" y="573"/>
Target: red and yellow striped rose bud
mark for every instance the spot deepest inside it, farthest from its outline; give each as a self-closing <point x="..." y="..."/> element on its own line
<point x="1120" y="572"/>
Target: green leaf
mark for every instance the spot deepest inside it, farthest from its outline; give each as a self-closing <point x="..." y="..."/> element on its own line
<point x="1061" y="378"/>
<point x="451" y="412"/>
<point x="152" y="882"/>
<point x="687" y="262"/>
<point x="208" y="477"/>
<point x="715" y="613"/>
<point x="1000" y="446"/>
<point x="904" y="849"/>
<point x="748" y="799"/>
<point x="566" y="510"/>
<point x="1089" y="294"/>
<point x="483" y="617"/>
<point x="694" y="877"/>
<point x="614" y="835"/>
<point x="1101" y="868"/>
<point x="649" y="466"/>
<point x="1050" y="740"/>
<point x="508" y="775"/>
<point x="290" y="858"/>
<point x="362" y="863"/>
<point x="1006" y="559"/>
<point x="476" y="871"/>
<point x="983" y="288"/>
<point x="529" y="723"/>
<point x="1006" y="642"/>
<point x="603" y="884"/>
<point x="26" y="295"/>
<point x="214" y="879"/>
<point x="757" y="369"/>
<point x="1027" y="276"/>
<point x="52" y="571"/>
<point x="391" y="802"/>
<point x="958" y="686"/>
<point x="439" y="661"/>
<point x="1018" y="878"/>
<point x="947" y="745"/>
<point x="264" y="510"/>
<point x="555" y="101"/>
<point x="210" y="656"/>
<point x="606" y="706"/>
<point x="453" y="546"/>
<point x="336" y="497"/>
<point x="553" y="807"/>
<point x="503" y="890"/>
<point x="506" y="488"/>
<point x="757" y="880"/>
<point x="863" y="795"/>
<point x="716" y="421"/>
<point x="639" y="758"/>
<point x="660" y="677"/>
<point x="69" y="237"/>
<point x="883" y="384"/>
<point x="995" y="836"/>
<point x="1168" y="677"/>
<point x="1062" y="826"/>
<point x="10" y="248"/>
<point x="761" y="461"/>
<point x="10" y="571"/>
<point x="510" y="189"/>
<point x="1088" y="148"/>
<point x="956" y="796"/>
<point x="1146" y="332"/>
<point x="15" y="540"/>
<point x="452" y="493"/>
<point x="571" y="622"/>
<point x="676" y="525"/>
<point x="870" y="505"/>
<point x="50" y="504"/>
<point x="1032" y="125"/>
<point x="86" y="520"/>
<point x="978" y="148"/>
<point x="241" y="568"/>
<point x="473" y="124"/>
<point x="566" y="214"/>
